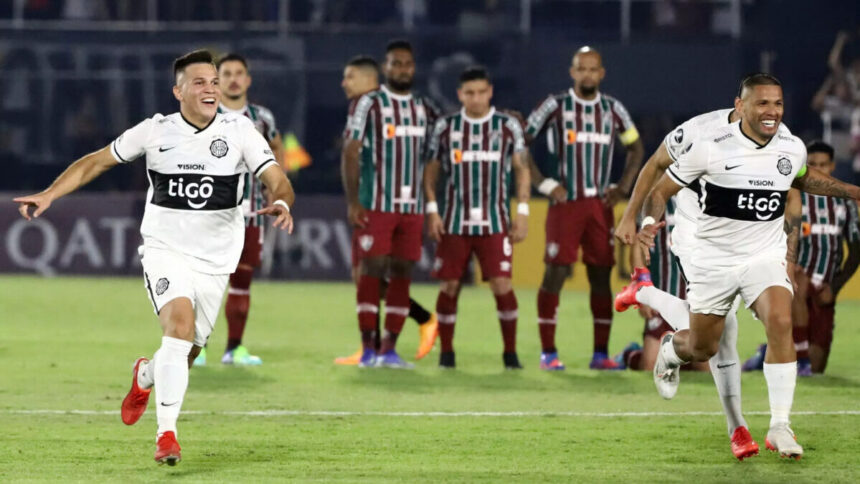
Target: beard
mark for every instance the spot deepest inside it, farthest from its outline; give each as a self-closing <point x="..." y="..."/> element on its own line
<point x="400" y="84"/>
<point x="588" y="90"/>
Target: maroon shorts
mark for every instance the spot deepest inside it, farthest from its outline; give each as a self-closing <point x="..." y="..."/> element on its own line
<point x="820" y="321"/>
<point x="252" y="251"/>
<point x="587" y="222"/>
<point x="655" y="327"/>
<point x="394" y="234"/>
<point x="494" y="253"/>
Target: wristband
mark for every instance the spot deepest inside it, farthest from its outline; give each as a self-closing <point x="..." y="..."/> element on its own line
<point x="547" y="186"/>
<point x="523" y="208"/>
<point x="649" y="220"/>
<point x="431" y="207"/>
<point x="283" y="204"/>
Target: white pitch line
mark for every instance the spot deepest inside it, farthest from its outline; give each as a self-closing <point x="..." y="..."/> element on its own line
<point x="325" y="413"/>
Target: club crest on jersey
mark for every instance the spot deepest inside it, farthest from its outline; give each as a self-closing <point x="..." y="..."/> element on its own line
<point x="161" y="286"/>
<point x="552" y="250"/>
<point x="218" y="148"/>
<point x="366" y="242"/>
<point x="784" y="165"/>
<point x="678" y="137"/>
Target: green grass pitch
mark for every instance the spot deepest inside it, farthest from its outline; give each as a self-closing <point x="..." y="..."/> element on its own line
<point x="67" y="344"/>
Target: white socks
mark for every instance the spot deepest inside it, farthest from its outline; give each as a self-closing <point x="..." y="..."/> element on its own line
<point x="170" y="365"/>
<point x="781" y="378"/>
<point x="668" y="352"/>
<point x="675" y="311"/>
<point x="146" y="375"/>
<point x="726" y="370"/>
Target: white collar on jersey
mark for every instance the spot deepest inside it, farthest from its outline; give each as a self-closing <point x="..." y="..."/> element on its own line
<point x="399" y="97"/>
<point x="755" y="143"/>
<point x="585" y="101"/>
<point x="225" y="109"/>
<point x="480" y="120"/>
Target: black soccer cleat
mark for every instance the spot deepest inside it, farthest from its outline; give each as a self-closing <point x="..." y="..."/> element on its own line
<point x="512" y="362"/>
<point x="447" y="360"/>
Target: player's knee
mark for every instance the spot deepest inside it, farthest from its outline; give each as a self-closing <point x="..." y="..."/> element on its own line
<point x="401" y="268"/>
<point x="553" y="277"/>
<point x="500" y="285"/>
<point x="598" y="277"/>
<point x="373" y="266"/>
<point x="182" y="328"/>
<point x="780" y="324"/>
<point x="450" y="288"/>
<point x="704" y="350"/>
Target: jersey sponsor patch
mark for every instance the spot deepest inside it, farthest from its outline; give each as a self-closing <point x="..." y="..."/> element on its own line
<point x="193" y="191"/>
<point x="743" y="204"/>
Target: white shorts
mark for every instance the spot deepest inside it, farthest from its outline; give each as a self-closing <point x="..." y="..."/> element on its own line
<point x="713" y="289"/>
<point x="168" y="275"/>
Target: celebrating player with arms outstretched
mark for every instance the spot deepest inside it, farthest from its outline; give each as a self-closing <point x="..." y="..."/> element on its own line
<point x="477" y="148"/>
<point x="582" y="124"/>
<point x="385" y="200"/>
<point x="192" y="227"/>
<point x="744" y="172"/>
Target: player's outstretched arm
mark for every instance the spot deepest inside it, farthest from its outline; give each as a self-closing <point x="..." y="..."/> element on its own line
<point x="651" y="172"/>
<point x="283" y="197"/>
<point x="655" y="207"/>
<point x="522" y="175"/>
<point x="818" y="183"/>
<point x="435" y="226"/>
<point x="78" y="174"/>
<point x="349" y="172"/>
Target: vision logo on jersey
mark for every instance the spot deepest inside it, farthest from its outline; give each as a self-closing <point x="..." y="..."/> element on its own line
<point x="784" y="165"/>
<point x="218" y="148"/>
<point x="194" y="191"/>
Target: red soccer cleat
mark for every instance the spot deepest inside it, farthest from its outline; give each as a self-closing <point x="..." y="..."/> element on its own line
<point x="167" y="449"/>
<point x="640" y="278"/>
<point x="743" y="445"/>
<point x="134" y="404"/>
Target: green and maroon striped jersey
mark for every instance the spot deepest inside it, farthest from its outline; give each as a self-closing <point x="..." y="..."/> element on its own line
<point x="665" y="272"/>
<point x="393" y="129"/>
<point x="580" y="136"/>
<point x="827" y="222"/>
<point x="253" y="199"/>
<point x="476" y="155"/>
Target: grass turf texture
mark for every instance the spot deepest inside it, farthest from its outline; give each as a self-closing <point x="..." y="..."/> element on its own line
<point x="68" y="344"/>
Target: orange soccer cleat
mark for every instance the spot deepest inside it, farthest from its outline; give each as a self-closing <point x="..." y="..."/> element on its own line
<point x="167" y="450"/>
<point x="640" y="278"/>
<point x="428" y="332"/>
<point x="351" y="360"/>
<point x="743" y="445"/>
<point x="134" y="404"/>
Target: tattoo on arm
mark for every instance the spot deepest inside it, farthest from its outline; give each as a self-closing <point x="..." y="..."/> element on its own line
<point x="821" y="184"/>
<point x="792" y="231"/>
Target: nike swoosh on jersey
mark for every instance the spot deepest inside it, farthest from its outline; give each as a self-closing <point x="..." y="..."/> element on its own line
<point x="163" y="149"/>
<point x="731" y="167"/>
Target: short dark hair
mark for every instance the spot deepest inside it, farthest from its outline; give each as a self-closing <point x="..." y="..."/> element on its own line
<point x="474" y="73"/>
<point x="232" y="56"/>
<point x="818" y="146"/>
<point x="398" y="44"/>
<point x="364" y="61"/>
<point x="201" y="56"/>
<point x="757" y="79"/>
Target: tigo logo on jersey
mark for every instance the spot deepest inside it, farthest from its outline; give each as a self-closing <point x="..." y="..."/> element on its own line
<point x="765" y="207"/>
<point x="218" y="148"/>
<point x="202" y="190"/>
<point x="194" y="191"/>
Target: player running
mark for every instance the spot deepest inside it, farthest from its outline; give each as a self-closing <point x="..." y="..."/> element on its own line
<point x="360" y="76"/>
<point x="827" y="222"/>
<point x="234" y="81"/>
<point x="385" y="203"/>
<point x="744" y="172"/>
<point x="192" y="226"/>
<point x="581" y="125"/>
<point x="477" y="148"/>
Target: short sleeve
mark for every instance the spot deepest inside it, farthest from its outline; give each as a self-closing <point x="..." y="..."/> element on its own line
<point x="132" y="143"/>
<point x="803" y="154"/>
<point x="690" y="165"/>
<point x="541" y="115"/>
<point x="628" y="134"/>
<point x="256" y="152"/>
<point x="271" y="127"/>
<point x="358" y="123"/>
<point x="678" y="141"/>
<point x="517" y="133"/>
<point x="435" y="147"/>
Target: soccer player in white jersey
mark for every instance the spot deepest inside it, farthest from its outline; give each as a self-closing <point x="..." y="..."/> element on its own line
<point x="192" y="226"/>
<point x="744" y="172"/>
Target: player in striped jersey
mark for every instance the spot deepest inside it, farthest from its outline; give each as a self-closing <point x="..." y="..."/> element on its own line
<point x="828" y="223"/>
<point x="477" y="148"/>
<point x="234" y="83"/>
<point x="360" y="76"/>
<point x="581" y="124"/>
<point x="385" y="200"/>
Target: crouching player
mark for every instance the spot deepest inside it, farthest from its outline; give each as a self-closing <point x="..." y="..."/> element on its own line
<point x="477" y="148"/>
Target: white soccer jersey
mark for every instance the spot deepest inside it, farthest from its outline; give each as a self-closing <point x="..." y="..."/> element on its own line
<point x="743" y="187"/>
<point x="194" y="196"/>
<point x="687" y="208"/>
